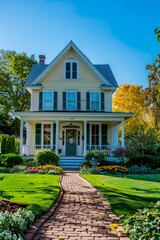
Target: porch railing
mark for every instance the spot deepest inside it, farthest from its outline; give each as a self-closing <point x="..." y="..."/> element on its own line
<point x="106" y="149"/>
<point x="32" y="149"/>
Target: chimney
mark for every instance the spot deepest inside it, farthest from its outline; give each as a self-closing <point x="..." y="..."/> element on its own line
<point x="42" y="59"/>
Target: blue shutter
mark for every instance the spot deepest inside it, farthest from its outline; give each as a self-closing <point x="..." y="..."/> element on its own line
<point x="102" y="101"/>
<point x="38" y="134"/>
<point x="40" y="101"/>
<point x="55" y="102"/>
<point x="88" y="134"/>
<point x="64" y="100"/>
<point x="87" y="100"/>
<point x="78" y="101"/>
<point x="54" y="135"/>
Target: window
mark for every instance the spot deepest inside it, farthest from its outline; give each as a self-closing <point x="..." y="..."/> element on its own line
<point x="71" y="70"/>
<point x="95" y="134"/>
<point x="71" y="103"/>
<point x="47" y="100"/>
<point x="94" y="101"/>
<point x="47" y="134"/>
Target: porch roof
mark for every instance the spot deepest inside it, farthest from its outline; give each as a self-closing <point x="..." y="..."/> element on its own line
<point x="73" y="116"/>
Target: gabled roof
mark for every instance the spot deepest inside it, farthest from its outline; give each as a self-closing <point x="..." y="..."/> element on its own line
<point x="38" y="71"/>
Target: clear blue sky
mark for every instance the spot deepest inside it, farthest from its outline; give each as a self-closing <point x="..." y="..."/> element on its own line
<point x="117" y="32"/>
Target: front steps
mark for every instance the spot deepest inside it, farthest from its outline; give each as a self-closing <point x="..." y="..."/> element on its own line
<point x="71" y="162"/>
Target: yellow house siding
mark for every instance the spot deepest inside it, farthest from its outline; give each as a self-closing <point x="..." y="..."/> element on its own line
<point x="54" y="81"/>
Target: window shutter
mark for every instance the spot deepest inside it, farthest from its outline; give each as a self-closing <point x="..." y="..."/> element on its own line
<point x="88" y="100"/>
<point x="64" y="100"/>
<point x="78" y="101"/>
<point x="40" y="101"/>
<point x="55" y="102"/>
<point x="102" y="101"/>
<point x="38" y="134"/>
<point x="88" y="134"/>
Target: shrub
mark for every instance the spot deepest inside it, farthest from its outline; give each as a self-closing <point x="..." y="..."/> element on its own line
<point x="10" y="159"/>
<point x="113" y="169"/>
<point x="140" y="160"/>
<point x="90" y="155"/>
<point x="46" y="157"/>
<point x="32" y="170"/>
<point x="14" y="225"/>
<point x="122" y="152"/>
<point x="86" y="170"/>
<point x="140" y="169"/>
<point x="5" y="170"/>
<point x="145" y="224"/>
<point x="87" y="164"/>
<point x="99" y="156"/>
<point x="8" y="144"/>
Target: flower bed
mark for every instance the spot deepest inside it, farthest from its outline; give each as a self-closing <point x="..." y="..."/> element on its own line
<point x="10" y="206"/>
<point x="113" y="169"/>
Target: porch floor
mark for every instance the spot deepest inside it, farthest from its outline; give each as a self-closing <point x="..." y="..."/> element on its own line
<point x="82" y="213"/>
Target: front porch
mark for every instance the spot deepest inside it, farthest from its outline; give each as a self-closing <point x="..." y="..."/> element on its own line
<point x="71" y="134"/>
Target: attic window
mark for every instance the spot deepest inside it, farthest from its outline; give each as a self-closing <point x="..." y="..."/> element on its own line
<point x="71" y="70"/>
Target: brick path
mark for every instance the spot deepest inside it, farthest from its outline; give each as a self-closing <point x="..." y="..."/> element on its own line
<point x="82" y="214"/>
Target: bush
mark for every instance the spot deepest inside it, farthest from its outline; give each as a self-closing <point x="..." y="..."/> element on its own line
<point x="8" y="144"/>
<point x="10" y="159"/>
<point x="87" y="164"/>
<point x="99" y="156"/>
<point x="5" y="170"/>
<point x="145" y="224"/>
<point x="14" y="225"/>
<point x="113" y="169"/>
<point x="122" y="152"/>
<point x="140" y="160"/>
<point x="140" y="170"/>
<point x="86" y="170"/>
<point x="46" y="157"/>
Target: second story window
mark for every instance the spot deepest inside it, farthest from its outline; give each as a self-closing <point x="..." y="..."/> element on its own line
<point x="94" y="101"/>
<point x="71" y="70"/>
<point x="71" y="101"/>
<point x="48" y="101"/>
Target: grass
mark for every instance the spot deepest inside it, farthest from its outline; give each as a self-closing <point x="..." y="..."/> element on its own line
<point x="36" y="190"/>
<point x="127" y="193"/>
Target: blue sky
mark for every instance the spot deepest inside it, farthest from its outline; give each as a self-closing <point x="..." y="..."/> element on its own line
<point x="117" y="32"/>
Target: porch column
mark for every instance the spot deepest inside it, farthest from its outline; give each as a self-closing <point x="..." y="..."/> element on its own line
<point x="123" y="144"/>
<point x="21" y="137"/>
<point x="57" y="131"/>
<point x="85" y="138"/>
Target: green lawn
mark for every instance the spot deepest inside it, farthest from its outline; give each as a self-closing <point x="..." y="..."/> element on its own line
<point x="37" y="190"/>
<point x="127" y="193"/>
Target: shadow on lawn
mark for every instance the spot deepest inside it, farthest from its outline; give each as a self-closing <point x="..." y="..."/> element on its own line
<point x="125" y="203"/>
<point x="145" y="177"/>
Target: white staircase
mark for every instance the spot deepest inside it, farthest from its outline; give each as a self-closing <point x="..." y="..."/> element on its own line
<point x="71" y="162"/>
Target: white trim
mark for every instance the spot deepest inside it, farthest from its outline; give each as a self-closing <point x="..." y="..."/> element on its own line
<point x="80" y="54"/>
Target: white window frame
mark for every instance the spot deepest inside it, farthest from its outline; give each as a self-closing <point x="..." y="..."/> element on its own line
<point x="52" y="92"/>
<point x="71" y="62"/>
<point x="99" y="107"/>
<point x="67" y="100"/>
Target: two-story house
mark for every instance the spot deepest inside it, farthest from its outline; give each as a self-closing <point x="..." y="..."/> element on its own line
<point x="71" y="106"/>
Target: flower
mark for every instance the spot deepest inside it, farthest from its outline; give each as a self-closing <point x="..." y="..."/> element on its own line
<point x="113" y="227"/>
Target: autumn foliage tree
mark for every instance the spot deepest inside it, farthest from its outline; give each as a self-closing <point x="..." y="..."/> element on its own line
<point x="131" y="98"/>
<point x="153" y="91"/>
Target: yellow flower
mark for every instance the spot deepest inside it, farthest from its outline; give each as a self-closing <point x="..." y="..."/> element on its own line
<point x="113" y="227"/>
<point x="59" y="237"/>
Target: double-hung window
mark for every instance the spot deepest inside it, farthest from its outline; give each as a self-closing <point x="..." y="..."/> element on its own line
<point x="71" y="70"/>
<point x="94" y="101"/>
<point x="71" y="103"/>
<point x="48" y="100"/>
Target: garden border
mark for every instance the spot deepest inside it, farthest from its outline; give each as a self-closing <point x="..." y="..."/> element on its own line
<point x="39" y="222"/>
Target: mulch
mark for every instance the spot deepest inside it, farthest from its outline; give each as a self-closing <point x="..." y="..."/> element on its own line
<point x="10" y="206"/>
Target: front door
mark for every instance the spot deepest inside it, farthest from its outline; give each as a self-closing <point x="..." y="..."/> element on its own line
<point x="71" y="142"/>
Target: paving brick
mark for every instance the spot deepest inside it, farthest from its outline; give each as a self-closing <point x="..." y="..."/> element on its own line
<point x="82" y="214"/>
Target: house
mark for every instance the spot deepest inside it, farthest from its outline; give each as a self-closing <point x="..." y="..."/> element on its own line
<point x="71" y="106"/>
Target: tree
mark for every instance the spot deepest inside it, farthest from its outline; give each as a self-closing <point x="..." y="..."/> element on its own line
<point x="131" y="98"/>
<point x="153" y="91"/>
<point x="14" y="69"/>
<point x="157" y="32"/>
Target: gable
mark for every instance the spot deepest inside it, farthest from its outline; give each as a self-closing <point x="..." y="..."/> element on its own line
<point x="102" y="72"/>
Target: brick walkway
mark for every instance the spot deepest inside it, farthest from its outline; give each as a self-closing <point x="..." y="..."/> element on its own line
<point x="82" y="214"/>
